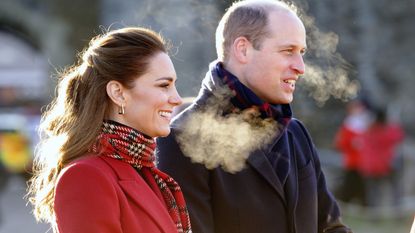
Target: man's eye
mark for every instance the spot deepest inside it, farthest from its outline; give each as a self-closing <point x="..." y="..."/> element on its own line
<point x="288" y="51"/>
<point x="303" y="52"/>
<point x="165" y="85"/>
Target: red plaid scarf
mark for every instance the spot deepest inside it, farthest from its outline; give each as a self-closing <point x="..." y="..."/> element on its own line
<point x="126" y="144"/>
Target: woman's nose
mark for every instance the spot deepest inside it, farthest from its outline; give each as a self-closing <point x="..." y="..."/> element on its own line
<point x="175" y="98"/>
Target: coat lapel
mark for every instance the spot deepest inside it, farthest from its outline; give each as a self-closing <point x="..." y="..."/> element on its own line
<point x="144" y="197"/>
<point x="261" y="164"/>
<point x="292" y="180"/>
<point x="141" y="195"/>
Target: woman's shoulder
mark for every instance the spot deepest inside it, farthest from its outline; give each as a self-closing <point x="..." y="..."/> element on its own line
<point x="108" y="168"/>
<point x="85" y="161"/>
<point x="89" y="165"/>
<point x="84" y="186"/>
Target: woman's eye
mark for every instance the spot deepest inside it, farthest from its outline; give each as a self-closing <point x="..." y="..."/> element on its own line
<point x="165" y="85"/>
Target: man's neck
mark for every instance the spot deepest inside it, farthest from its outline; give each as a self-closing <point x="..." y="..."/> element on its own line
<point x="234" y="68"/>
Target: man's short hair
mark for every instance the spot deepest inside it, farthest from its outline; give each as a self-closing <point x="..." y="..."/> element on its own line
<point x="249" y="19"/>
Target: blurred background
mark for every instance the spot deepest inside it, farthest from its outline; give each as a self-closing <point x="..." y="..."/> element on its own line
<point x="360" y="50"/>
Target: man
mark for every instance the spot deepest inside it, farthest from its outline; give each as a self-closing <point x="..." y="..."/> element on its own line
<point x="244" y="164"/>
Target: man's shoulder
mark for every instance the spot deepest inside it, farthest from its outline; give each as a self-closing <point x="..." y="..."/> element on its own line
<point x="299" y="131"/>
<point x="296" y="125"/>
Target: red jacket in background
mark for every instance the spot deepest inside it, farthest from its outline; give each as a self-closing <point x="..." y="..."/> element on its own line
<point x="378" y="149"/>
<point x="348" y="143"/>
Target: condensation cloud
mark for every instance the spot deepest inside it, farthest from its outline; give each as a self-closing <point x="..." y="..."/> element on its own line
<point x="327" y="73"/>
<point x="214" y="140"/>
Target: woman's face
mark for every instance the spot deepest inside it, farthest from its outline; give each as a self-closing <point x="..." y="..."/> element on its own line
<point x="149" y="104"/>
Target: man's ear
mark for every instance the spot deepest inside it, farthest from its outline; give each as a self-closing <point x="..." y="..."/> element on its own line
<point x="115" y="90"/>
<point x="240" y="48"/>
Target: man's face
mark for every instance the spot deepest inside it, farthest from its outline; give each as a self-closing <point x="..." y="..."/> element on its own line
<point x="272" y="71"/>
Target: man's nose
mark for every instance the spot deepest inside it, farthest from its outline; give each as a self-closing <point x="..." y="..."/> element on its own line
<point x="299" y="65"/>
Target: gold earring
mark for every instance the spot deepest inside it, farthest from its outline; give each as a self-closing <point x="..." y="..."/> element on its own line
<point x="121" y="109"/>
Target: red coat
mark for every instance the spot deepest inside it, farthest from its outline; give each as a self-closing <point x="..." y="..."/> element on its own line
<point x="99" y="194"/>
<point x="378" y="149"/>
<point x="347" y="141"/>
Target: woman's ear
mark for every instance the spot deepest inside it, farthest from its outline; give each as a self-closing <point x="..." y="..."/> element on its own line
<point x="240" y="49"/>
<point x="115" y="90"/>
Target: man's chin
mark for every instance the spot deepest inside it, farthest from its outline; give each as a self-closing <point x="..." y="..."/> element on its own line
<point x="287" y="100"/>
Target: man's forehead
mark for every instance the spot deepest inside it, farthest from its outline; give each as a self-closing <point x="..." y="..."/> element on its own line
<point x="287" y="28"/>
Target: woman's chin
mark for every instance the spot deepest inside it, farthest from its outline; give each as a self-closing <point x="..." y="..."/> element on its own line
<point x="163" y="133"/>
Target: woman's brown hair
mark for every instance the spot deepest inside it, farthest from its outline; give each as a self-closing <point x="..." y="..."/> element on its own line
<point x="73" y="120"/>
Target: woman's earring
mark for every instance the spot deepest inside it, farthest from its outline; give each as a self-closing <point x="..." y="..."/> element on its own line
<point x="121" y="109"/>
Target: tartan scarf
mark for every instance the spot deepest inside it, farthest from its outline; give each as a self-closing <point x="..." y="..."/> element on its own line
<point x="127" y="144"/>
<point x="245" y="98"/>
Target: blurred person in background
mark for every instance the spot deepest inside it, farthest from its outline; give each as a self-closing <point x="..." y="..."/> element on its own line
<point x="378" y="155"/>
<point x="245" y="100"/>
<point x="94" y="170"/>
<point x="348" y="142"/>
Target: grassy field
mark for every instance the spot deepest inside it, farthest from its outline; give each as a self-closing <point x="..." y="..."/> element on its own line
<point x="361" y="225"/>
<point x="363" y="220"/>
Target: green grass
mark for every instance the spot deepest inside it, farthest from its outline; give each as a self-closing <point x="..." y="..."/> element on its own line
<point x="363" y="220"/>
<point x="361" y="225"/>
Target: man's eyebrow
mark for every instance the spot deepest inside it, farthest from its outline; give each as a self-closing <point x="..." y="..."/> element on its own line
<point x="292" y="46"/>
<point x="165" y="78"/>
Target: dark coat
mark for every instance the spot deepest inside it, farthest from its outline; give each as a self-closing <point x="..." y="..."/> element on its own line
<point x="106" y="195"/>
<point x="253" y="199"/>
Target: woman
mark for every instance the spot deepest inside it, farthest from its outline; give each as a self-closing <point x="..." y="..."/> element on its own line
<point x="94" y="170"/>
